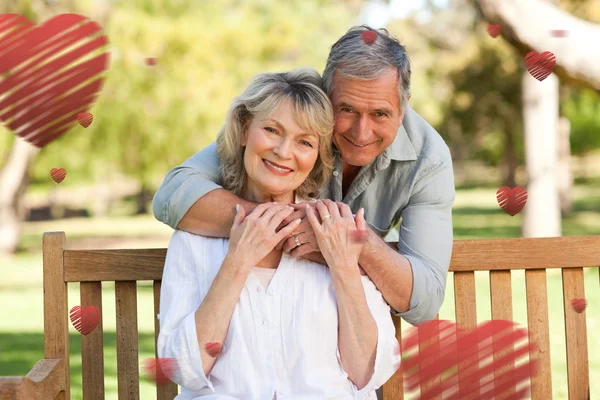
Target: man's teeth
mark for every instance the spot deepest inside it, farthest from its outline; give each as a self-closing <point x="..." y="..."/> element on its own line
<point x="277" y="168"/>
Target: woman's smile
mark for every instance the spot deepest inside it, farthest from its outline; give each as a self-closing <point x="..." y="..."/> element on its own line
<point x="276" y="168"/>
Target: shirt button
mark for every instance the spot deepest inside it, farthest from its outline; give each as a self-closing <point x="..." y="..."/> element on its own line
<point x="335" y="173"/>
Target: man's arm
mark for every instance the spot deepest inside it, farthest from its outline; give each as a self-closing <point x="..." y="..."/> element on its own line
<point x="191" y="198"/>
<point x="413" y="280"/>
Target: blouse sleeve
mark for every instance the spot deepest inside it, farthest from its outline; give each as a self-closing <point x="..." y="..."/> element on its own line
<point x="180" y="296"/>
<point x="387" y="357"/>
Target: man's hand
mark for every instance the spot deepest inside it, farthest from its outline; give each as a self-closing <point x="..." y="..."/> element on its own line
<point x="304" y="232"/>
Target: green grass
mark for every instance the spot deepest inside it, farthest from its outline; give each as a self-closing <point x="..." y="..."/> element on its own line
<point x="476" y="215"/>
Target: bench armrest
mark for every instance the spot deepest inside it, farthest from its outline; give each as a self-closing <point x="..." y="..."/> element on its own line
<point x="45" y="381"/>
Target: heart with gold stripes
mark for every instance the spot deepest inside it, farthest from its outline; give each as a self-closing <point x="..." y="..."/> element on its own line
<point x="512" y="200"/>
<point x="49" y="74"/>
<point x="540" y="66"/>
<point x="58" y="174"/>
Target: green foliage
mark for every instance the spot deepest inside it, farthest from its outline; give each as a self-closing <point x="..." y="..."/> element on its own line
<point x="582" y="108"/>
<point x="150" y="119"/>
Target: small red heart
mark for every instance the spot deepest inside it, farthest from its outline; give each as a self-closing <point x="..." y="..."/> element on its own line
<point x="540" y="66"/>
<point x="579" y="305"/>
<point x="433" y="351"/>
<point x="358" y="235"/>
<point x="369" y="37"/>
<point x="49" y="73"/>
<point x="85" y="320"/>
<point x="494" y="30"/>
<point x="213" y="348"/>
<point x="558" y="32"/>
<point x="511" y="200"/>
<point x="58" y="174"/>
<point x="150" y="61"/>
<point x="160" y="370"/>
<point x="85" y="119"/>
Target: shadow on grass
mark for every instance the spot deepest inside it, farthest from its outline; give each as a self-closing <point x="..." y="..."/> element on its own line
<point x="20" y="351"/>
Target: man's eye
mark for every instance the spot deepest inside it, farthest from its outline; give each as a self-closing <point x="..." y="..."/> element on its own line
<point x="346" y="109"/>
<point x="380" y="114"/>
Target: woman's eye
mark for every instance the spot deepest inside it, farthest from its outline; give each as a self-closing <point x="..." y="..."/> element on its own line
<point x="268" y="129"/>
<point x="304" y="142"/>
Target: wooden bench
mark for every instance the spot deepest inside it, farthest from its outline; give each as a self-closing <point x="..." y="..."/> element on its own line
<point x="50" y="379"/>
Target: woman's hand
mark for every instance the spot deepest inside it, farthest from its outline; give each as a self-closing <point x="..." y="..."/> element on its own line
<point x="254" y="236"/>
<point x="338" y="233"/>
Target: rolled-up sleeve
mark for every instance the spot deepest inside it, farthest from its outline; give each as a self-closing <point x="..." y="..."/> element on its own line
<point x="185" y="184"/>
<point x="387" y="356"/>
<point x="180" y="297"/>
<point x="426" y="239"/>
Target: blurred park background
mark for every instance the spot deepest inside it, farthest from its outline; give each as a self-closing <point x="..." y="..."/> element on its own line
<point x="503" y="127"/>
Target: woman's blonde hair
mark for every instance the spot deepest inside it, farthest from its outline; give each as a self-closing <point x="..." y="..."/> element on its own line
<point x="303" y="88"/>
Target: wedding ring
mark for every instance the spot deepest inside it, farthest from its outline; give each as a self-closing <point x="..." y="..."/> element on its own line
<point x="325" y="217"/>
<point x="297" y="241"/>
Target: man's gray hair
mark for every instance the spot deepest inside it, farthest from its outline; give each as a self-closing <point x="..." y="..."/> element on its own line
<point x="351" y="57"/>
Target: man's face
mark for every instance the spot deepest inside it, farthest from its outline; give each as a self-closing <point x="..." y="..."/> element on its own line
<point x="367" y="116"/>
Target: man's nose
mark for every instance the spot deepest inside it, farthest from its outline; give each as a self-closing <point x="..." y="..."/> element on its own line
<point x="362" y="129"/>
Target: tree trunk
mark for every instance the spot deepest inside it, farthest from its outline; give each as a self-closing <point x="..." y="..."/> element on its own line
<point x="565" y="173"/>
<point x="510" y="159"/>
<point x="14" y="179"/>
<point x="541" y="215"/>
<point x="526" y="24"/>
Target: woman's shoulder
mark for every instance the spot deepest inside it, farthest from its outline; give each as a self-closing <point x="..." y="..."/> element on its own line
<point x="196" y="241"/>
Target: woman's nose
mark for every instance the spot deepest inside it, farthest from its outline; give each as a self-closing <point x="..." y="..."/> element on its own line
<point x="283" y="148"/>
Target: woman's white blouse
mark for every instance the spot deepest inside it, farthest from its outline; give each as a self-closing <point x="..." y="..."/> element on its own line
<point x="283" y="340"/>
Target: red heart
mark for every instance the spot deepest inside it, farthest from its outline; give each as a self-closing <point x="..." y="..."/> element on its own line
<point x="85" y="119"/>
<point x="540" y="66"/>
<point x="558" y="32"/>
<point x="358" y="235"/>
<point x="85" y="320"/>
<point x="58" y="174"/>
<point x="488" y="352"/>
<point x="511" y="200"/>
<point x="494" y="30"/>
<point x="42" y="73"/>
<point x="369" y="37"/>
<point x="151" y="61"/>
<point x="213" y="348"/>
<point x="579" y="305"/>
<point x="160" y="370"/>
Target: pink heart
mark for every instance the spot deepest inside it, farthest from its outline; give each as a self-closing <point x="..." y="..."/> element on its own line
<point x="43" y="71"/>
<point x="510" y="200"/>
<point x="213" y="348"/>
<point x="160" y="370"/>
<point x="85" y="320"/>
<point x="369" y="37"/>
<point x="579" y="305"/>
<point x="540" y="66"/>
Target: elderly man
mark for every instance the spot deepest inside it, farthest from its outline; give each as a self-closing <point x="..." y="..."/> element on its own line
<point x="388" y="160"/>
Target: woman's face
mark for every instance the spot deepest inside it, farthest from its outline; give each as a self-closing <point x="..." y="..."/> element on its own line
<point x="279" y="155"/>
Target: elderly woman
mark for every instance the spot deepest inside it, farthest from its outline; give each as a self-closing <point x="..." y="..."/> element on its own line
<point x="241" y="319"/>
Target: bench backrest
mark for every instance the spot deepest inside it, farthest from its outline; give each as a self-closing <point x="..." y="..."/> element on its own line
<point x="499" y="256"/>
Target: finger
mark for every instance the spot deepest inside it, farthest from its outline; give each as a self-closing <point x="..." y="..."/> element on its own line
<point x="322" y="210"/>
<point x="312" y="218"/>
<point x="274" y="209"/>
<point x="289" y="244"/>
<point x="332" y="209"/>
<point x="279" y="215"/>
<point x="362" y="271"/>
<point x="303" y="250"/>
<point x="293" y="216"/>
<point x="344" y="210"/>
<point x="288" y="229"/>
<point x="359" y="235"/>
<point x="240" y="215"/>
<point x="260" y="209"/>
<point x="279" y="246"/>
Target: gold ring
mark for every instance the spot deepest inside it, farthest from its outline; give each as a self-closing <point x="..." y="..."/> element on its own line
<point x="297" y="241"/>
<point x="325" y="217"/>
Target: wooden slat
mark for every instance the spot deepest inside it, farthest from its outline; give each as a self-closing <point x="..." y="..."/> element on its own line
<point x="576" y="335"/>
<point x="525" y="253"/>
<point x="168" y="391"/>
<point x="44" y="381"/>
<point x="465" y="305"/>
<point x="56" y="325"/>
<point x="127" y="341"/>
<point x="467" y="255"/>
<point x="501" y="299"/>
<point x="394" y="388"/>
<point x="92" y="354"/>
<point x="114" y="265"/>
<point x="539" y="331"/>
